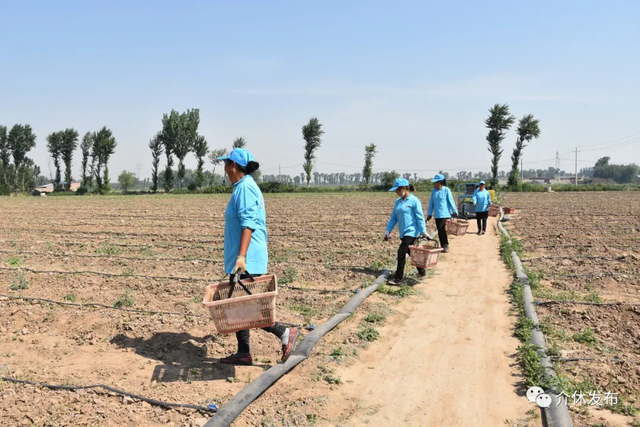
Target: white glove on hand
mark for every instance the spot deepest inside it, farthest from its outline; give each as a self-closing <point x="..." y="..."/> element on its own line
<point x="386" y="236"/>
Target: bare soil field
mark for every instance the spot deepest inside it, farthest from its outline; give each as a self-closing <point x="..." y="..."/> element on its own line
<point x="585" y="250"/>
<point x="158" y="254"/>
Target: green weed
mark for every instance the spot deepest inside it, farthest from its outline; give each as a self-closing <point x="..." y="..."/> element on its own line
<point x="288" y="276"/>
<point x="19" y="283"/>
<point x="368" y="334"/>
<point x="586" y="337"/>
<point x="375" y="318"/>
<point x="70" y="297"/>
<point x="16" y="262"/>
<point x="125" y="300"/>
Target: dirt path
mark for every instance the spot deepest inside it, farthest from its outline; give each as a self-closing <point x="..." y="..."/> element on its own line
<point x="450" y="361"/>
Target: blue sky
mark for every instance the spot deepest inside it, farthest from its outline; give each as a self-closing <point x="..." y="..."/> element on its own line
<point x="415" y="77"/>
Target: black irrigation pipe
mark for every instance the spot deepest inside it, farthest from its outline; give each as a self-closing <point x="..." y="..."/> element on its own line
<point x="613" y="258"/>
<point x="593" y="359"/>
<point x="322" y="291"/>
<point x="601" y="304"/>
<point x="229" y="412"/>
<point x="154" y="402"/>
<point x="596" y="275"/>
<point x="555" y="415"/>
<point x="97" y="305"/>
<point x="587" y="245"/>
<point x="99" y="273"/>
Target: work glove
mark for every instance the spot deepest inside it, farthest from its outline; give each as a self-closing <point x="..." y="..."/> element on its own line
<point x="386" y="236"/>
<point x="424" y="236"/>
<point x="241" y="265"/>
<point x="429" y="217"/>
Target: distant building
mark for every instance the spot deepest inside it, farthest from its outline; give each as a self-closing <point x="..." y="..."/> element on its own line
<point x="49" y="187"/>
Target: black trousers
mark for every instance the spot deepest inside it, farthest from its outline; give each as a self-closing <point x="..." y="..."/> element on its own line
<point x="244" y="336"/>
<point x="403" y="250"/>
<point x="441" y="224"/>
<point x="481" y="219"/>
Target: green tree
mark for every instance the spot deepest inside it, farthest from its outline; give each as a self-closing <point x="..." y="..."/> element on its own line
<point x="188" y="132"/>
<point x="127" y="180"/>
<point x="603" y="161"/>
<point x="155" y="144"/>
<point x="104" y="145"/>
<point x="388" y="178"/>
<point x="239" y="143"/>
<point x="369" y="152"/>
<point x="213" y="157"/>
<point x="5" y="154"/>
<point x="528" y="129"/>
<point x="69" y="145"/>
<point x="20" y="141"/>
<point x="200" y="148"/>
<point x="311" y="133"/>
<point x="169" y="135"/>
<point x="54" y="146"/>
<point x="86" y="146"/>
<point x="498" y="123"/>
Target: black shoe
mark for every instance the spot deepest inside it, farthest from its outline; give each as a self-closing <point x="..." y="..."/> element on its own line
<point x="394" y="282"/>
<point x="445" y="248"/>
<point x="422" y="273"/>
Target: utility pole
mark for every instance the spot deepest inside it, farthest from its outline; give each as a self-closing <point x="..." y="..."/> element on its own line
<point x="138" y="176"/>
<point x="576" y="169"/>
<point x="279" y="170"/>
<point x="521" y="171"/>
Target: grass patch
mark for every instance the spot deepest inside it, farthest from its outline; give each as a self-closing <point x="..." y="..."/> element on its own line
<point x="289" y="275"/>
<point x="108" y="249"/>
<point x="70" y="297"/>
<point x="396" y="291"/>
<point x="586" y="337"/>
<point x="306" y="311"/>
<point x="368" y="334"/>
<point x="532" y="368"/>
<point x="375" y="318"/>
<point x="125" y="300"/>
<point x="15" y="262"/>
<point x="20" y="283"/>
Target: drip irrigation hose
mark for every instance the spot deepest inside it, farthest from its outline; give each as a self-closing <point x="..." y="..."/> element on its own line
<point x="593" y="359"/>
<point x="97" y="305"/>
<point x="617" y="303"/>
<point x="229" y="412"/>
<point x="556" y="415"/>
<point x="210" y="408"/>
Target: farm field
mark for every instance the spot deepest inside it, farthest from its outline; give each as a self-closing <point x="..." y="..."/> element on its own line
<point x="158" y="254"/>
<point x="584" y="250"/>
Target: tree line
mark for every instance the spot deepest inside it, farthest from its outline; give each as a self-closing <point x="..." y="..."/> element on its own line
<point x="499" y="122"/>
<point x="15" y="144"/>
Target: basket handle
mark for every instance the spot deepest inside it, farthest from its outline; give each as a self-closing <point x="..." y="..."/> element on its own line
<point x="236" y="279"/>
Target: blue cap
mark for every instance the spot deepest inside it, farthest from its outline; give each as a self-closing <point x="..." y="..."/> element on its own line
<point x="400" y="182"/>
<point x="239" y="156"/>
<point x="481" y="183"/>
<point x="437" y="178"/>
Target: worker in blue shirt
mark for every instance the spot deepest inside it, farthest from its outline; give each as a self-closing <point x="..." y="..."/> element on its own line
<point x="245" y="244"/>
<point x="407" y="214"/>
<point x="482" y="201"/>
<point x="442" y="206"/>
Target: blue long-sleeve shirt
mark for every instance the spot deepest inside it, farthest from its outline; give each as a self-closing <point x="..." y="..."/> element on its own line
<point x="246" y="210"/>
<point x="408" y="215"/>
<point x="482" y="200"/>
<point x="441" y="204"/>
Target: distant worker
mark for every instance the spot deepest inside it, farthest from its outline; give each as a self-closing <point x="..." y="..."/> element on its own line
<point x="245" y="244"/>
<point x="442" y="206"/>
<point x="407" y="213"/>
<point x="482" y="201"/>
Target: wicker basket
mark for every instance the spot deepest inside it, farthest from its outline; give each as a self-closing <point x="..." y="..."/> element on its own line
<point x="424" y="256"/>
<point x="508" y="210"/>
<point x="494" y="210"/>
<point x="242" y="311"/>
<point x="457" y="227"/>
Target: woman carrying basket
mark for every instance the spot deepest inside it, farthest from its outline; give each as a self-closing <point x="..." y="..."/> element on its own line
<point x="407" y="213"/>
<point x="245" y="244"/>
<point x="442" y="206"/>
<point x="482" y="201"/>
